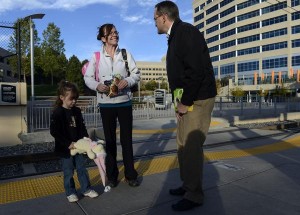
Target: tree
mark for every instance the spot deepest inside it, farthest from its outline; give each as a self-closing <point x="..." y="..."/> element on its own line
<point x="53" y="48"/>
<point x="237" y="92"/>
<point x="280" y="90"/>
<point x="218" y="86"/>
<point x="25" y="46"/>
<point x="151" y="85"/>
<point x="73" y="72"/>
<point x="164" y="84"/>
<point x="142" y="85"/>
<point x="225" y="81"/>
<point x="263" y="93"/>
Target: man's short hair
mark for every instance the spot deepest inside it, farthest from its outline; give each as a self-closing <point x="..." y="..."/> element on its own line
<point x="169" y="8"/>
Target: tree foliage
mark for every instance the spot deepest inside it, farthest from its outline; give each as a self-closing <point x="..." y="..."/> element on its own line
<point x="73" y="72"/>
<point x="218" y="86"/>
<point x="53" y="52"/>
<point x="151" y="85"/>
<point x="24" y="47"/>
<point x="237" y="92"/>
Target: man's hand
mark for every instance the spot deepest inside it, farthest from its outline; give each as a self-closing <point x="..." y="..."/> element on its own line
<point x="181" y="110"/>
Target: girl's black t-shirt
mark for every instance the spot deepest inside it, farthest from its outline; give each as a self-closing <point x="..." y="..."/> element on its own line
<point x="72" y="127"/>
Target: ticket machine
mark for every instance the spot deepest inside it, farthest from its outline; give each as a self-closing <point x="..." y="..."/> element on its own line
<point x="13" y="112"/>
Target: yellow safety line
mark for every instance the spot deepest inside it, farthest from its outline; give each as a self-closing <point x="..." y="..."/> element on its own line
<point x="50" y="185"/>
<point x="162" y="131"/>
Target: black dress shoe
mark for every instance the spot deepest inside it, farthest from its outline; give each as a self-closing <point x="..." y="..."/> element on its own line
<point x="184" y="205"/>
<point x="177" y="192"/>
<point x="133" y="183"/>
<point x="112" y="183"/>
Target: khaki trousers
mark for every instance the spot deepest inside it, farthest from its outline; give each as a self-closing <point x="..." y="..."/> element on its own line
<point x="191" y="134"/>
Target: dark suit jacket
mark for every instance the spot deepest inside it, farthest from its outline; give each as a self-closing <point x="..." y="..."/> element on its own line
<point x="59" y="129"/>
<point x="188" y="64"/>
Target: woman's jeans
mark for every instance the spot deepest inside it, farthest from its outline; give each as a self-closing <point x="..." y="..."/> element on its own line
<point x="69" y="165"/>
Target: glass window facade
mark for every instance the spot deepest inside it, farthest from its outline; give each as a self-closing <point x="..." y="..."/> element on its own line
<point x="214" y="59"/>
<point x="274" y="63"/>
<point x="295" y="43"/>
<point x="295" y="3"/>
<point x="248" y="66"/>
<point x="274" y="46"/>
<point x="227" y="44"/>
<point x="275" y="33"/>
<point x="227" y="22"/>
<point x="254" y="32"/>
<point x="212" y="39"/>
<point x="296" y="15"/>
<point x="247" y="4"/>
<point x="199" y="17"/>
<point x="212" y="29"/>
<point x="248" y="27"/>
<point x="274" y="7"/>
<point x="274" y="20"/>
<point x="212" y="9"/>
<point x="227" y="55"/>
<point x="200" y="26"/>
<point x="296" y="29"/>
<point x="248" y="15"/>
<point x="216" y="71"/>
<point x="212" y="19"/>
<point x="249" y="51"/>
<point x="213" y="49"/>
<point x="227" y="69"/>
<point x="227" y="12"/>
<point x="225" y="2"/>
<point x="248" y="39"/>
<point x="296" y="60"/>
<point x="227" y="33"/>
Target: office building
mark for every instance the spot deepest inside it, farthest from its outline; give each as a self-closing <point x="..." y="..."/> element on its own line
<point x="6" y="74"/>
<point x="153" y="70"/>
<point x="252" y="41"/>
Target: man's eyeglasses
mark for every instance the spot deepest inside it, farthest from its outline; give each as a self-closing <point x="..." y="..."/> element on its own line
<point x="112" y="33"/>
<point x="155" y="18"/>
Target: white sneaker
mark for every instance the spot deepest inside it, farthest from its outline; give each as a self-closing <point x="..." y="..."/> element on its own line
<point x="91" y="194"/>
<point x="72" y="198"/>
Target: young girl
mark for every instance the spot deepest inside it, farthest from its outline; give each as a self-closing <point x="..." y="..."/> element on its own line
<point x="67" y="126"/>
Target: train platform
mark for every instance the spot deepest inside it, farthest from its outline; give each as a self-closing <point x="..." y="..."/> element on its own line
<point x="246" y="171"/>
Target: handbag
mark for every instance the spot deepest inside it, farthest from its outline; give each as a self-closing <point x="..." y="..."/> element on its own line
<point x="134" y="88"/>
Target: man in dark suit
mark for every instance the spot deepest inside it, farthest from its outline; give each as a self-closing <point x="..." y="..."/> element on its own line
<point x="189" y="70"/>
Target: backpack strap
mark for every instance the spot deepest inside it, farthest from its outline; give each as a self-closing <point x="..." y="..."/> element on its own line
<point x="124" y="55"/>
<point x="97" y="55"/>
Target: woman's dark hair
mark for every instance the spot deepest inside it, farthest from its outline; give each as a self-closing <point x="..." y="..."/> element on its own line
<point x="169" y="8"/>
<point x="63" y="88"/>
<point x="104" y="30"/>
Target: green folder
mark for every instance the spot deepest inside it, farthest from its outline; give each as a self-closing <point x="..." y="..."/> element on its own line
<point x="177" y="98"/>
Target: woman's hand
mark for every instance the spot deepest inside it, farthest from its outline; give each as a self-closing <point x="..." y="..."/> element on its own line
<point x="102" y="88"/>
<point x="122" y="84"/>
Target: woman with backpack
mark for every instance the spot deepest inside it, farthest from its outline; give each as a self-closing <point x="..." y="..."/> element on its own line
<point x="113" y="83"/>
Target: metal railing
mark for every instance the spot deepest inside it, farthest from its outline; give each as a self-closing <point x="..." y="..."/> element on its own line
<point x="39" y="111"/>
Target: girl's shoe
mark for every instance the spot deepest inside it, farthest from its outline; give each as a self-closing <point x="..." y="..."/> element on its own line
<point x="72" y="198"/>
<point x="91" y="194"/>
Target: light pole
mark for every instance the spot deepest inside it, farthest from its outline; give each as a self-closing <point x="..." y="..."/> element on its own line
<point x="30" y="18"/>
<point x="159" y="78"/>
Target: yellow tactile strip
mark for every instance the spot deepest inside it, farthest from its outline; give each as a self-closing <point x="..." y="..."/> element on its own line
<point x="167" y="130"/>
<point x="49" y="185"/>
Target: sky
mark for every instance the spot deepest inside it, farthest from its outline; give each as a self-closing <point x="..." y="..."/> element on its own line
<point x="78" y="21"/>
